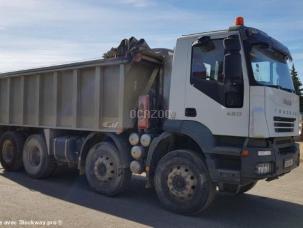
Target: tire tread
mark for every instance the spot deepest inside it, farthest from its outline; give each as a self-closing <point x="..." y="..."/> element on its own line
<point x="19" y="140"/>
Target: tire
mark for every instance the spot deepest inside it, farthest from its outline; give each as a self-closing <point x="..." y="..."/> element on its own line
<point x="182" y="182"/>
<point x="232" y="188"/>
<point x="11" y="146"/>
<point x="103" y="170"/>
<point x="37" y="162"/>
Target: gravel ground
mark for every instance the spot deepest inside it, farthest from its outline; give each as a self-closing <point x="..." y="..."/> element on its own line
<point x="301" y="150"/>
<point x="66" y="199"/>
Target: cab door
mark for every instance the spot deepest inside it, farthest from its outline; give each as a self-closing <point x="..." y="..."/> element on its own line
<point x="217" y="88"/>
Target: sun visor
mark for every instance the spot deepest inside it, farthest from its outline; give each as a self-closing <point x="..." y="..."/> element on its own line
<point x="255" y="36"/>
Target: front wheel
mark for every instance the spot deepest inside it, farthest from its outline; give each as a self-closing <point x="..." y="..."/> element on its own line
<point x="182" y="182"/>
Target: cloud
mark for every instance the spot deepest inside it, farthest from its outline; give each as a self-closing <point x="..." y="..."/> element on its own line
<point x="48" y="32"/>
<point x="138" y="3"/>
<point x="58" y="31"/>
<point x="18" y="3"/>
<point x="298" y="58"/>
<point x="31" y="53"/>
<point x="63" y="13"/>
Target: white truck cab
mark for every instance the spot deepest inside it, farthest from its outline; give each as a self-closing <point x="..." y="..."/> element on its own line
<point x="265" y="101"/>
<point x="233" y="100"/>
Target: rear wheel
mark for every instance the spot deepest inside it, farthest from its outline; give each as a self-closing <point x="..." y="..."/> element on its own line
<point x="37" y="162"/>
<point x="182" y="182"/>
<point x="11" y="146"/>
<point x="104" y="170"/>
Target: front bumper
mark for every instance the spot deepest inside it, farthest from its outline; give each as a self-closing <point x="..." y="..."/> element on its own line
<point x="285" y="156"/>
<point x="228" y="165"/>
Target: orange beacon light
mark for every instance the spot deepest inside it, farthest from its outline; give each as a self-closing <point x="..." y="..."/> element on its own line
<point x="239" y="21"/>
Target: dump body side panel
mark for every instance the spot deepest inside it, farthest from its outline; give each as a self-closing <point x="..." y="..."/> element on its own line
<point x="93" y="97"/>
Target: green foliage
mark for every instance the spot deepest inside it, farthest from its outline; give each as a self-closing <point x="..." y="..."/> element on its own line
<point x="297" y="85"/>
<point x="296" y="80"/>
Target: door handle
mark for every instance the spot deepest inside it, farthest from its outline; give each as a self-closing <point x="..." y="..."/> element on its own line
<point x="190" y="112"/>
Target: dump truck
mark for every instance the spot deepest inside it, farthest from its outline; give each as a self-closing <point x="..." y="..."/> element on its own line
<point x="216" y="114"/>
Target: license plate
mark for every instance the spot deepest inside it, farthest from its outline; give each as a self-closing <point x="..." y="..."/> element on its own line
<point x="288" y="163"/>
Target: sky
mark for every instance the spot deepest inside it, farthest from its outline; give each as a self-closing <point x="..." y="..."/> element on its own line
<point x="37" y="33"/>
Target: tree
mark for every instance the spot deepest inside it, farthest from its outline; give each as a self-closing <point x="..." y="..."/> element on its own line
<point x="296" y="80"/>
<point x="297" y="85"/>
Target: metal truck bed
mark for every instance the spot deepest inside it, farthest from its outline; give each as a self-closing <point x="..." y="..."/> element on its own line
<point x="94" y="95"/>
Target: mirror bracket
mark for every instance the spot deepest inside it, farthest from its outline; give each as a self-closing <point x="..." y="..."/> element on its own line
<point x="205" y="43"/>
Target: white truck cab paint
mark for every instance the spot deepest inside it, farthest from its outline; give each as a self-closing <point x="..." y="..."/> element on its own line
<point x="219" y="119"/>
<point x="261" y="104"/>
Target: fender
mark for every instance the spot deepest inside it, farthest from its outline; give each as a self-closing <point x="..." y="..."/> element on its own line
<point x="195" y="130"/>
<point x="165" y="136"/>
<point x="119" y="141"/>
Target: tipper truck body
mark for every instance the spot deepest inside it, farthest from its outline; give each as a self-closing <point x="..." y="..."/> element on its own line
<point x="218" y="113"/>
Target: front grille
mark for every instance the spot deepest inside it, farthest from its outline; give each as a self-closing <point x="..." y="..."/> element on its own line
<point x="285" y="145"/>
<point x="284" y="124"/>
<point x="287" y="150"/>
<point x="281" y="141"/>
<point x="285" y="119"/>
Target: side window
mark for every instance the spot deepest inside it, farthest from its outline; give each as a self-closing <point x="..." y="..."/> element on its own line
<point x="207" y="70"/>
<point x="216" y="70"/>
<point x="208" y="64"/>
<point x="262" y="72"/>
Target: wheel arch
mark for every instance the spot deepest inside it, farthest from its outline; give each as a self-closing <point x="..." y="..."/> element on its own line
<point x="198" y="132"/>
<point x="178" y="134"/>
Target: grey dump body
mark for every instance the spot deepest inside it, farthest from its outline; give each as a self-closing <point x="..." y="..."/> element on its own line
<point x="94" y="95"/>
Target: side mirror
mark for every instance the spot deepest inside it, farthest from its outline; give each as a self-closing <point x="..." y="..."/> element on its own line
<point x="205" y="43"/>
<point x="232" y="66"/>
<point x="232" y="43"/>
<point x="232" y="70"/>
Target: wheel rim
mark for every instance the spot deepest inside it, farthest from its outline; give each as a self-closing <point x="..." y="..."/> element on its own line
<point x="182" y="182"/>
<point x="104" y="169"/>
<point x="8" y="151"/>
<point x="34" y="157"/>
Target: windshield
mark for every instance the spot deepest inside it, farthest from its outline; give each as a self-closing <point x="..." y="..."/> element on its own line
<point x="270" y="68"/>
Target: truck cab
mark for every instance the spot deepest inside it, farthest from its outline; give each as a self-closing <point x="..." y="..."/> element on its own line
<point x="233" y="116"/>
<point x="233" y="90"/>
